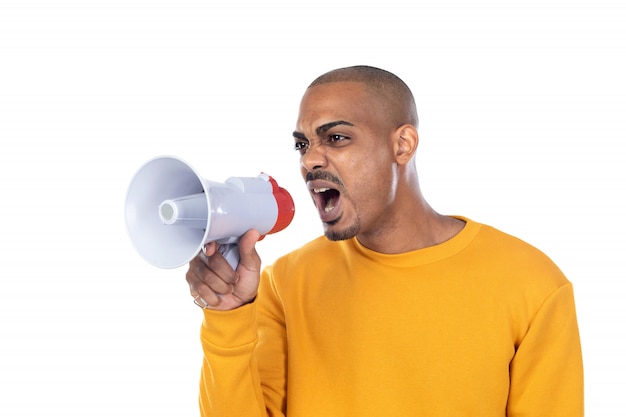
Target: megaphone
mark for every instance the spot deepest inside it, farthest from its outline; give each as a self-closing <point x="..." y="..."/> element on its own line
<point x="171" y="212"/>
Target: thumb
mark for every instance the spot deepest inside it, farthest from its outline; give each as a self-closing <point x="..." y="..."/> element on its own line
<point x="248" y="270"/>
<point x="248" y="257"/>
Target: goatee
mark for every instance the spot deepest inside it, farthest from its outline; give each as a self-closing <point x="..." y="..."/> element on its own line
<point x="344" y="234"/>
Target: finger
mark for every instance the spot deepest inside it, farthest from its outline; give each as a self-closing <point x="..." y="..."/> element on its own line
<point x="204" y="282"/>
<point x="248" y="269"/>
<point x="203" y="296"/>
<point x="212" y="272"/>
<point x="199" y="301"/>
<point x="213" y="258"/>
<point x="209" y="249"/>
<point x="248" y="256"/>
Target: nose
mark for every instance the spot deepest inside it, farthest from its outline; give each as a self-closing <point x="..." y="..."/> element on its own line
<point x="314" y="158"/>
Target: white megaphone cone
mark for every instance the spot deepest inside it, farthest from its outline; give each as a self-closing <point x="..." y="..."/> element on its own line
<point x="171" y="212"/>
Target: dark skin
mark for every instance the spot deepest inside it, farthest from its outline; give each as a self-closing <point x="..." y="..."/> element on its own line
<point x="359" y="166"/>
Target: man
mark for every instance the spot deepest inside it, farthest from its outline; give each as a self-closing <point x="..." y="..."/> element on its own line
<point x="398" y="310"/>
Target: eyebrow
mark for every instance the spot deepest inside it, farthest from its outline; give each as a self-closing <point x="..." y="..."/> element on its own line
<point x="323" y="128"/>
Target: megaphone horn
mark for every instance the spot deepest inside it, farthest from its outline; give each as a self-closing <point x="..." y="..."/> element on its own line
<point x="172" y="212"/>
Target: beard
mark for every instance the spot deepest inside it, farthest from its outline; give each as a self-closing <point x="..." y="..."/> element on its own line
<point x="343" y="234"/>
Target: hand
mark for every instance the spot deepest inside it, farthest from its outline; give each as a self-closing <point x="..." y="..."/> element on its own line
<point x="215" y="285"/>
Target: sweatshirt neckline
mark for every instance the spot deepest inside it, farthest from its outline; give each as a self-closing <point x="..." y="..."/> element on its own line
<point x="426" y="255"/>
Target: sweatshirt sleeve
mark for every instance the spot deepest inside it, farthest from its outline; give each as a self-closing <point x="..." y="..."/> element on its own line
<point x="229" y="383"/>
<point x="546" y="372"/>
<point x="271" y="350"/>
<point x="244" y="366"/>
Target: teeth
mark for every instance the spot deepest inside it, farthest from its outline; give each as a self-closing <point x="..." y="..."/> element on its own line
<point x="330" y="203"/>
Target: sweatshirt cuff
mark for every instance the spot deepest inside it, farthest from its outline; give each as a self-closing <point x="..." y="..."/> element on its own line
<point x="230" y="329"/>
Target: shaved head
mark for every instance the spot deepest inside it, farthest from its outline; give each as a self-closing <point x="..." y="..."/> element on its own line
<point x="390" y="91"/>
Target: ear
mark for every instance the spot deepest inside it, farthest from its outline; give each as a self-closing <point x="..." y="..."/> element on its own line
<point x="405" y="143"/>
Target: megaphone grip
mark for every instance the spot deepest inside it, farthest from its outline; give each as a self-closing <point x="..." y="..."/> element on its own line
<point x="230" y="252"/>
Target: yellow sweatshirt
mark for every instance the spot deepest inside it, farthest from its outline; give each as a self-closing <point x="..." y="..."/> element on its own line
<point x="481" y="325"/>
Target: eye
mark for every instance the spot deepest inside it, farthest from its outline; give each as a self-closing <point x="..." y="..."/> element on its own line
<point x="337" y="139"/>
<point x="301" y="146"/>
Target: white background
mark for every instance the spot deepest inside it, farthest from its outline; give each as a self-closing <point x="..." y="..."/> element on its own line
<point x="522" y="108"/>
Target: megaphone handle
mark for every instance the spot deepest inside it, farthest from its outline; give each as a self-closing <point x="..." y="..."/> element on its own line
<point x="230" y="251"/>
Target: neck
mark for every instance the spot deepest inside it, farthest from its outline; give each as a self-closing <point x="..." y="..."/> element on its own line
<point x="413" y="224"/>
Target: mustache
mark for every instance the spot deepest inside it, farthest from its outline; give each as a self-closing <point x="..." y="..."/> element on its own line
<point x="323" y="175"/>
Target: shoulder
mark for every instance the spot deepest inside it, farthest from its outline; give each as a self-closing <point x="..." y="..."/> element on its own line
<point x="292" y="271"/>
<point x="308" y="254"/>
<point x="516" y="258"/>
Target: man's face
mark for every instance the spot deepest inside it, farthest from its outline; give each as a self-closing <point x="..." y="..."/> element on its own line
<point x="346" y="158"/>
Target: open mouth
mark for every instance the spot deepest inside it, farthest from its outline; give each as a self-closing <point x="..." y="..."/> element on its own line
<point x="325" y="199"/>
<point x="325" y="191"/>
